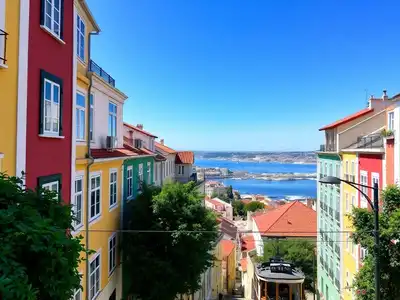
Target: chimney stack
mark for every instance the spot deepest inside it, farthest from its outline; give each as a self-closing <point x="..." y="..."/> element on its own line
<point x="140" y="126"/>
<point x="385" y="96"/>
<point x="162" y="141"/>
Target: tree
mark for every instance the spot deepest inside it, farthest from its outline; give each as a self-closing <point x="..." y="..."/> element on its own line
<point x="39" y="257"/>
<point x="229" y="192"/>
<point x="253" y="206"/>
<point x="389" y="258"/>
<point x="172" y="247"/>
<point x="238" y="208"/>
<point x="301" y="253"/>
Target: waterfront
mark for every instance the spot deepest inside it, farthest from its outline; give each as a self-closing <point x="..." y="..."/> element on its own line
<point x="273" y="189"/>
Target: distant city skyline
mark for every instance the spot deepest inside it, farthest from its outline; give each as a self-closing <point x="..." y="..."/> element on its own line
<point x="229" y="76"/>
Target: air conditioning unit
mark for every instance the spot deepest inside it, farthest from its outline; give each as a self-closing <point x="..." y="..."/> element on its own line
<point x="111" y="142"/>
<point x="138" y="143"/>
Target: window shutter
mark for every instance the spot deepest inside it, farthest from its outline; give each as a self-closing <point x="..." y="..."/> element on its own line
<point x="62" y="20"/>
<point x="41" y="97"/>
<point x="61" y="109"/>
<point x="42" y="8"/>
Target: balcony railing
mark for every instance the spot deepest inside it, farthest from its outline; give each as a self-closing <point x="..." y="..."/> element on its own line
<point x="368" y="142"/>
<point x="3" y="47"/>
<point x="327" y="148"/>
<point x="331" y="212"/>
<point x="337" y="216"/>
<point x="95" y="68"/>
<point x="330" y="243"/>
<point x="337" y="249"/>
<point x="330" y="273"/>
<point x="337" y="283"/>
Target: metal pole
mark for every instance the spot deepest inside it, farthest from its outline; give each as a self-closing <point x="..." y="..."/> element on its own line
<point x="376" y="234"/>
<point x="313" y="266"/>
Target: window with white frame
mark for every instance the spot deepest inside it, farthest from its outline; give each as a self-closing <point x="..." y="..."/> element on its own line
<point x="148" y="173"/>
<point x="112" y="119"/>
<point x="94" y="271"/>
<point x="375" y="179"/>
<point x="156" y="172"/>
<point x="80" y="116"/>
<point x="391" y="120"/>
<point x="353" y="172"/>
<point x="78" y="205"/>
<point x="95" y="196"/>
<point x="129" y="179"/>
<point x="140" y="177"/>
<point x="347" y="201"/>
<point x="346" y="172"/>
<point x="112" y="253"/>
<point x="52" y="108"/>
<point x="80" y="33"/>
<point x="353" y="201"/>
<point x="364" y="189"/>
<point x="363" y="253"/>
<point x="91" y="117"/>
<point x="113" y="188"/>
<point x="52" y="13"/>
<point x="77" y="294"/>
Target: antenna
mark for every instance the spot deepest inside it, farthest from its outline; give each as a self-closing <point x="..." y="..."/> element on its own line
<point x="366" y="97"/>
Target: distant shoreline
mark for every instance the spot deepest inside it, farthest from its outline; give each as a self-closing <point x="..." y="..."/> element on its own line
<point x="260" y="161"/>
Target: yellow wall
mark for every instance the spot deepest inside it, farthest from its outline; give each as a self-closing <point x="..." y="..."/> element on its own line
<point x="101" y="229"/>
<point x="349" y="257"/>
<point x="216" y="283"/>
<point x="231" y="271"/>
<point x="9" y="89"/>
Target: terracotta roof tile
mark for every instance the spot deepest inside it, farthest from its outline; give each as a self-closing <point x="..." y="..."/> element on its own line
<point x="184" y="157"/>
<point x="248" y="243"/>
<point x="216" y="203"/>
<point x="348" y="118"/>
<point x="243" y="264"/>
<point x="291" y="219"/>
<point x="139" y="130"/>
<point x="227" y="247"/>
<point x="164" y="148"/>
<point x="119" y="152"/>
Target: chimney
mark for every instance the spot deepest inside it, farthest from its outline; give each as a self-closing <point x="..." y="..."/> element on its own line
<point x="140" y="126"/>
<point x="162" y="141"/>
<point x="384" y="96"/>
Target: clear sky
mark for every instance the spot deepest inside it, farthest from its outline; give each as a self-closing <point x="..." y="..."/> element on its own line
<point x="247" y="75"/>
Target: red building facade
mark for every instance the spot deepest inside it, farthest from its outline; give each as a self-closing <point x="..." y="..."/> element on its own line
<point x="50" y="95"/>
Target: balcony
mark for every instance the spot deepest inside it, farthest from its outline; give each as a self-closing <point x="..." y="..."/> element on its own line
<point x="337" y="283"/>
<point x="95" y="68"/>
<point x="337" y="216"/>
<point x="331" y="212"/>
<point x="330" y="243"/>
<point x="369" y="142"/>
<point x="3" y="47"/>
<point x="327" y="148"/>
<point x="330" y="273"/>
<point x="337" y="249"/>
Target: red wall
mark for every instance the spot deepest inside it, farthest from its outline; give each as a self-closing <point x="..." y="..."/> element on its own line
<point x="49" y="156"/>
<point x="390" y="161"/>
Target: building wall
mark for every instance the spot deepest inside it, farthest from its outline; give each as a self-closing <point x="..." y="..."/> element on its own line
<point x="186" y="172"/>
<point x="229" y="274"/>
<point x="390" y="165"/>
<point x="148" y="141"/>
<point x="48" y="156"/>
<point x="9" y="88"/>
<point x="134" y="162"/>
<point x="328" y="252"/>
<point x="349" y="250"/>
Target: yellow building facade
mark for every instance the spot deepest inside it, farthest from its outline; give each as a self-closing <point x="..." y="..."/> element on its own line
<point x="349" y="250"/>
<point x="9" y="70"/>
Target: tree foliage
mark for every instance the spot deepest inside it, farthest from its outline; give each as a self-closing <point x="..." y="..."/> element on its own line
<point x="39" y="257"/>
<point x="238" y="208"/>
<point x="229" y="192"/>
<point x="253" y="206"/>
<point x="301" y="253"/>
<point x="167" y="257"/>
<point x="389" y="258"/>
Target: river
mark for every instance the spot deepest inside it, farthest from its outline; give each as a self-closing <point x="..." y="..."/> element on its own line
<point x="273" y="189"/>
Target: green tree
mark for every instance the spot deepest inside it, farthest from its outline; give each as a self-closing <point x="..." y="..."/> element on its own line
<point x="229" y="192"/>
<point x="389" y="258"/>
<point x="238" y="208"/>
<point x="172" y="245"/>
<point x="301" y="253"/>
<point x="253" y="206"/>
<point x="39" y="257"/>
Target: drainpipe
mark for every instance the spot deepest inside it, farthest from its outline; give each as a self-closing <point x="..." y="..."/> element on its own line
<point x="91" y="161"/>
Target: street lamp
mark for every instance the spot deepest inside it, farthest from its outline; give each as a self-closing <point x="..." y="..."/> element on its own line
<point x="375" y="207"/>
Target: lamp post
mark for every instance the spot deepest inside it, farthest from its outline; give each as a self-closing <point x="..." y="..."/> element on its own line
<point x="375" y="207"/>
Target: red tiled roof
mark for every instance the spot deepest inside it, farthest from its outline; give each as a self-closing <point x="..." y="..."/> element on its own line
<point x="164" y="148"/>
<point x="291" y="219"/>
<point x="136" y="150"/>
<point x="140" y="130"/>
<point x="119" y="152"/>
<point x="348" y="118"/>
<point x="243" y="264"/>
<point x="248" y="243"/>
<point x="184" y="157"/>
<point x="215" y="202"/>
<point x="227" y="247"/>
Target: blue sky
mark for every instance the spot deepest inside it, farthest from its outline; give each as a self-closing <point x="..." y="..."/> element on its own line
<point x="246" y="75"/>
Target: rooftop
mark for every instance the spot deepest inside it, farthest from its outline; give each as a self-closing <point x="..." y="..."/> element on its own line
<point x="119" y="152"/>
<point x="184" y="157"/>
<point x="164" y="148"/>
<point x="292" y="219"/>
<point x="248" y="242"/>
<point x="139" y="130"/>
<point x="227" y="247"/>
<point x="348" y="119"/>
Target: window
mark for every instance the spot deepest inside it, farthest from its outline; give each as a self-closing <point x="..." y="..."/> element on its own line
<point x="140" y="177"/>
<point x="51" y="186"/>
<point x="112" y="119"/>
<point x="346" y="172"/>
<point x="129" y="185"/>
<point x="80" y="36"/>
<point x="77" y="295"/>
<point x="338" y="171"/>
<point x="353" y="201"/>
<point x="375" y="179"/>
<point x="113" y="188"/>
<point x="347" y="279"/>
<point x="80" y="116"/>
<point x="156" y="172"/>
<point x="348" y="241"/>
<point x="94" y="270"/>
<point x="51" y="105"/>
<point x="181" y="170"/>
<point x="95" y="194"/>
<point x="364" y="181"/>
<point x="353" y="176"/>
<point x="51" y="13"/>
<point x="112" y="253"/>
<point x="51" y="183"/>
<point x="91" y="117"/>
<point x="78" y="205"/>
<point x="391" y="121"/>
<point x="363" y="253"/>
<point x="148" y="173"/>
<point x="347" y="202"/>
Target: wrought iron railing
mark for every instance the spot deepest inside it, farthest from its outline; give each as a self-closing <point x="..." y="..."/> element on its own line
<point x="337" y="283"/>
<point x="3" y="42"/>
<point x="331" y="212"/>
<point x="337" y="216"/>
<point x="95" y="68"/>
<point x="368" y="142"/>
<point x="327" y="148"/>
